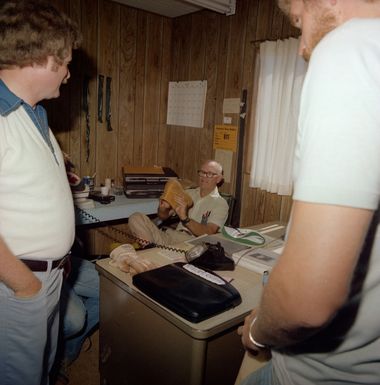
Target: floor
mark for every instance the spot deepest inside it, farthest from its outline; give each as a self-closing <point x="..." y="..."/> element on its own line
<point x="85" y="370"/>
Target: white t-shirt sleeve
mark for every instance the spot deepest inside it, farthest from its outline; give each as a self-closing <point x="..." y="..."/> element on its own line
<point x="337" y="156"/>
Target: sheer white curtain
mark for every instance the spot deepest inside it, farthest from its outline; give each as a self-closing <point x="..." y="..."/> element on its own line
<point x="280" y="81"/>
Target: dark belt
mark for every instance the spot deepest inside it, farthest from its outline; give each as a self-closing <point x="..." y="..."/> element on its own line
<point x="35" y="265"/>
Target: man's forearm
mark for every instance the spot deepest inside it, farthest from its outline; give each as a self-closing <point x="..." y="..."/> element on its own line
<point x="15" y="274"/>
<point x="312" y="278"/>
<point x="198" y="229"/>
<point x="285" y="316"/>
<point x="274" y="330"/>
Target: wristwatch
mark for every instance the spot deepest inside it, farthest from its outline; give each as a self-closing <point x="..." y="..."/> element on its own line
<point x="185" y="221"/>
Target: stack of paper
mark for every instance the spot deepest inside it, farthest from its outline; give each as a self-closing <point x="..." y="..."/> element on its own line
<point x="257" y="259"/>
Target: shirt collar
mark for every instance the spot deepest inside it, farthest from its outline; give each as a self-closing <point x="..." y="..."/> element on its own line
<point x="214" y="193"/>
<point x="8" y="100"/>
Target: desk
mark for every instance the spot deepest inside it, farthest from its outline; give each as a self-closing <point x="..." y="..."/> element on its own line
<point x="142" y="343"/>
<point x="121" y="208"/>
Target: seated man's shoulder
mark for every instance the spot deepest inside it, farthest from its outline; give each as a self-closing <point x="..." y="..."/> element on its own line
<point x="223" y="203"/>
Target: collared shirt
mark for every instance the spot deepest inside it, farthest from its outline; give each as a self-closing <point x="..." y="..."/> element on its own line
<point x="211" y="208"/>
<point x="36" y="204"/>
<point x="10" y="102"/>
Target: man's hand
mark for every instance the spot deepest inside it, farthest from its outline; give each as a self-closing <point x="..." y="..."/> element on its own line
<point x="164" y="205"/>
<point x="16" y="275"/>
<point x="30" y="289"/>
<point x="244" y="331"/>
<point x="164" y="210"/>
<point x="181" y="209"/>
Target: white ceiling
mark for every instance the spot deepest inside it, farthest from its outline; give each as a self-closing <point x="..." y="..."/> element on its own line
<point x="175" y="8"/>
<point x="169" y="8"/>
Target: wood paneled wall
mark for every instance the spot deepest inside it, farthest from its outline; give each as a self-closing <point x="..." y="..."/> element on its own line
<point x="141" y="52"/>
<point x="223" y="50"/>
<point x="133" y="48"/>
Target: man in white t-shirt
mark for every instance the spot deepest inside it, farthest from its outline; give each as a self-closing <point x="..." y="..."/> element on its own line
<point x="206" y="215"/>
<point x="36" y="207"/>
<point x="320" y="311"/>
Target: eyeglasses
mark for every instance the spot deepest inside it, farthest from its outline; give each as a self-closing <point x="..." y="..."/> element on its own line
<point x="207" y="174"/>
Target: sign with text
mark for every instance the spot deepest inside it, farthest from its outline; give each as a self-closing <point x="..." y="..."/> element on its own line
<point x="225" y="138"/>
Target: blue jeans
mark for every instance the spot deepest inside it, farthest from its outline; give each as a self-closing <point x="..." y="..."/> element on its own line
<point x="79" y="307"/>
<point x="29" y="331"/>
<point x="263" y="376"/>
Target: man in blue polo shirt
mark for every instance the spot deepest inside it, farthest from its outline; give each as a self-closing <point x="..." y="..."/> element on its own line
<point x="36" y="208"/>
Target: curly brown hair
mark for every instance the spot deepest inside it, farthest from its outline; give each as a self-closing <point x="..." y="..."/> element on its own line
<point x="30" y="31"/>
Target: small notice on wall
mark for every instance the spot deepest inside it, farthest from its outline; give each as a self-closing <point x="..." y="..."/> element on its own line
<point x="225" y="138"/>
<point x="231" y="106"/>
<point x="224" y="157"/>
<point x="186" y="103"/>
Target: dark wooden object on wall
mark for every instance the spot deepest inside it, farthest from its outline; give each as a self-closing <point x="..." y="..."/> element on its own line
<point x="239" y="169"/>
<point x="100" y="98"/>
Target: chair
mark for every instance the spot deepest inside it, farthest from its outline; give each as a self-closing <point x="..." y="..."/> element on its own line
<point x="231" y="206"/>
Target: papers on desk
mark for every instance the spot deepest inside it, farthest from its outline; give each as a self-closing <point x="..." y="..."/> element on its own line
<point x="173" y="256"/>
<point x="257" y="259"/>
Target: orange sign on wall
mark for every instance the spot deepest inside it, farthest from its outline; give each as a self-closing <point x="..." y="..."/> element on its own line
<point x="225" y="138"/>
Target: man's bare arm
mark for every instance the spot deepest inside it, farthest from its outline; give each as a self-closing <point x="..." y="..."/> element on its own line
<point x="312" y="278"/>
<point x="199" y="229"/>
<point x="195" y="227"/>
<point x="164" y="210"/>
<point x="16" y="275"/>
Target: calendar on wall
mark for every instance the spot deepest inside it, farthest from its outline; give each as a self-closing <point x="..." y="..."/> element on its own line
<point x="186" y="103"/>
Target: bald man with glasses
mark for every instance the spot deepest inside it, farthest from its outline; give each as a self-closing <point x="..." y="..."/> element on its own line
<point x="207" y="214"/>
